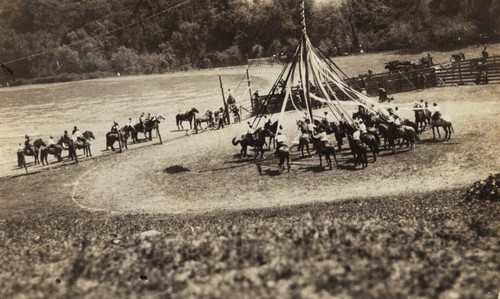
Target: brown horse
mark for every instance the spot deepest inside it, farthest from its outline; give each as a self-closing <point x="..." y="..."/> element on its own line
<point x="207" y="118"/>
<point x="445" y="122"/>
<point x="34" y="150"/>
<point x="257" y="141"/>
<point x="328" y="150"/>
<point x="409" y="135"/>
<point x="179" y="118"/>
<point x="45" y="150"/>
<point x="422" y="117"/>
<point x="359" y="151"/>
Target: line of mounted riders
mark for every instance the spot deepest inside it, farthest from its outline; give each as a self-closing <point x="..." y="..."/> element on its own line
<point x="40" y="149"/>
<point x="363" y="135"/>
<point x="215" y="120"/>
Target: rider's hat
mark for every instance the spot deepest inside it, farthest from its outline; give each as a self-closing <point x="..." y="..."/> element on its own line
<point x="65" y="131"/>
<point x="434" y="104"/>
<point x="26" y="136"/>
<point x="51" y="136"/>
<point x="115" y="122"/>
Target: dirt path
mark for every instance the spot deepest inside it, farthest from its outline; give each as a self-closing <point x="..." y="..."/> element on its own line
<point x="215" y="178"/>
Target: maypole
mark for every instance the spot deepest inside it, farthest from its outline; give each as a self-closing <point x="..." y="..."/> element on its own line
<point x="305" y="57"/>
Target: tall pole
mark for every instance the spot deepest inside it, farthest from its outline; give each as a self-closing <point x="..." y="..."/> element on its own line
<point x="224" y="100"/>
<point x="305" y="56"/>
<point x="249" y="89"/>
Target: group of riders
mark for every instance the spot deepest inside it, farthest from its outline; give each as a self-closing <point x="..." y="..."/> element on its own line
<point x="361" y="125"/>
<point x="79" y="140"/>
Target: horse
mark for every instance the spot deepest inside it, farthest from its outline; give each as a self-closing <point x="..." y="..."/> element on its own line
<point x="112" y="137"/>
<point x="422" y="116"/>
<point x="359" y="151"/>
<point x="328" y="150"/>
<point x="445" y="122"/>
<point x="284" y="154"/>
<point x="270" y="131"/>
<point x="368" y="139"/>
<point x="179" y="118"/>
<point x="147" y="127"/>
<point x="410" y="123"/>
<point x="85" y="145"/>
<point x="409" y="135"/>
<point x="45" y="150"/>
<point x="389" y="136"/>
<point x="257" y="141"/>
<point x="207" y="118"/>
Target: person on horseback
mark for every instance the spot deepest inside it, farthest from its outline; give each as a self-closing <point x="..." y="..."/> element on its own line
<point x="325" y="118"/>
<point x="436" y="113"/>
<point x="65" y="136"/>
<point x="311" y="128"/>
<point x="362" y="127"/>
<point x="74" y="130"/>
<point x="52" y="144"/>
<point x="130" y="125"/>
<point x="323" y="139"/>
<point x="115" y="128"/>
<point x="78" y="136"/>
<point x="27" y="145"/>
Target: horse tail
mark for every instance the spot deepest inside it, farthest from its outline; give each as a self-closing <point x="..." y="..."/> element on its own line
<point x="451" y="127"/>
<point x="235" y="142"/>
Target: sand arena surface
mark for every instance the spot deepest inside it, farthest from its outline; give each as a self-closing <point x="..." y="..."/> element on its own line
<point x="215" y="177"/>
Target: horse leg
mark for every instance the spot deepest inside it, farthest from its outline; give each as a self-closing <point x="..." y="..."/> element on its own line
<point x="320" y="161"/>
<point x="307" y="148"/>
<point x="329" y="160"/>
<point x="288" y="161"/>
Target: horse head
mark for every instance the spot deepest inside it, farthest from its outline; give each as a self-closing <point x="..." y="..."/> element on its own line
<point x="38" y="143"/>
<point x="194" y="110"/>
<point x="88" y="135"/>
<point x="160" y="117"/>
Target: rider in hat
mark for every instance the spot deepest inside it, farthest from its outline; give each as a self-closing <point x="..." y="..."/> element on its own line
<point x="52" y="144"/>
<point x="27" y="144"/>
<point x="115" y="128"/>
<point x="436" y="113"/>
<point x="323" y="139"/>
<point x="281" y="140"/>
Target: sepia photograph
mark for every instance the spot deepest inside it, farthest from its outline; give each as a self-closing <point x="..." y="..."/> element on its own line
<point x="250" y="149"/>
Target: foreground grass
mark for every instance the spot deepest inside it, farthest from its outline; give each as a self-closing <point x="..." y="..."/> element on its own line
<point x="432" y="245"/>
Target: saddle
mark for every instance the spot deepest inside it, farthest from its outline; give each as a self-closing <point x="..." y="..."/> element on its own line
<point x="436" y="116"/>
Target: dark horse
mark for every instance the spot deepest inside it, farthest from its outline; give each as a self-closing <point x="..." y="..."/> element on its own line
<point x="257" y="141"/>
<point x="408" y="134"/>
<point x="55" y="150"/>
<point x="121" y="137"/>
<point x="328" y="150"/>
<point x="422" y="117"/>
<point x="368" y="139"/>
<point x="179" y="118"/>
<point x="147" y="127"/>
<point x="284" y="154"/>
<point x="270" y="132"/>
<point x="359" y="151"/>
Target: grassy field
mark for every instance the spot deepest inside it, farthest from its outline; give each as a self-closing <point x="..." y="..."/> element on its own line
<point x="399" y="229"/>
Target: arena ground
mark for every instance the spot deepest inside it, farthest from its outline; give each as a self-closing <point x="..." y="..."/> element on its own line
<point x="399" y="228"/>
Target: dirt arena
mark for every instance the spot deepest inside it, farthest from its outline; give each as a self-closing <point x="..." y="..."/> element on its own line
<point x="227" y="228"/>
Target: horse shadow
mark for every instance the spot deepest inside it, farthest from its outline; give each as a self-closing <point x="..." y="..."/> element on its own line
<point x="272" y="172"/>
<point x="24" y="174"/>
<point x="315" y="169"/>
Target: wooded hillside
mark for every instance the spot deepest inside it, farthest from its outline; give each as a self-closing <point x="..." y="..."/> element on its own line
<point x="205" y="33"/>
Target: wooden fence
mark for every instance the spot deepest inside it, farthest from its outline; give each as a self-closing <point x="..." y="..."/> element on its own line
<point x="473" y="71"/>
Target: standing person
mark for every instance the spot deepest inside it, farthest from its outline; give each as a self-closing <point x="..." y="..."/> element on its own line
<point x="221" y="118"/>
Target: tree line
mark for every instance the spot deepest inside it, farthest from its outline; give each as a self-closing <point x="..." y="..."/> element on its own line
<point x="206" y="33"/>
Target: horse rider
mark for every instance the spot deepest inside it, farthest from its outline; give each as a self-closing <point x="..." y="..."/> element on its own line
<point x="362" y="127"/>
<point x="325" y="118"/>
<point x="52" y="144"/>
<point x="395" y="113"/>
<point x="78" y="136"/>
<point x="141" y="118"/>
<point x="115" y="128"/>
<point x="129" y="123"/>
<point x="74" y="130"/>
<point x="323" y="139"/>
<point x="311" y="128"/>
<point x="27" y="145"/>
<point x="356" y="136"/>
<point x="436" y="113"/>
<point x="281" y="140"/>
